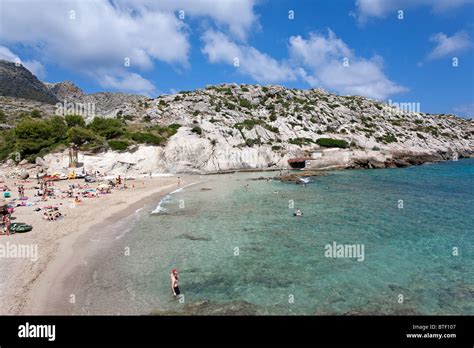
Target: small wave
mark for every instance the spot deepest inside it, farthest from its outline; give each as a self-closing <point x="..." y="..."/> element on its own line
<point x="159" y="208"/>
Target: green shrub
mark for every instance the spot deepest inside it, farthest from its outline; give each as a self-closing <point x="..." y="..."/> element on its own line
<point x="32" y="135"/>
<point x="165" y="131"/>
<point x="270" y="107"/>
<point x="146" y="138"/>
<point x="118" y="145"/>
<point x="245" y="103"/>
<point x="251" y="123"/>
<point x="3" y="117"/>
<point x="388" y="138"/>
<point x="329" y="142"/>
<point x="174" y="126"/>
<point x="230" y="106"/>
<point x="107" y="127"/>
<point x="80" y="136"/>
<point x="197" y="130"/>
<point x="128" y="117"/>
<point x="396" y="122"/>
<point x="300" y="141"/>
<point x="7" y="143"/>
<point x="35" y="113"/>
<point x="252" y="142"/>
<point x="58" y="127"/>
<point x="276" y="147"/>
<point x="74" y="121"/>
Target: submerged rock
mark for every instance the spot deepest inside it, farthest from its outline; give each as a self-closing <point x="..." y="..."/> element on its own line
<point x="191" y="237"/>
<point x="296" y="177"/>
<point x="206" y="307"/>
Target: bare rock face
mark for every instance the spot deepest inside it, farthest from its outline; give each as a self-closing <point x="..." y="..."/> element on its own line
<point x="19" y="82"/>
<point x="66" y="90"/>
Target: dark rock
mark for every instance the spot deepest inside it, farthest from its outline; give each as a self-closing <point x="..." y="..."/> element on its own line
<point x="191" y="237"/>
<point x="374" y="163"/>
<point x="19" y="82"/>
<point x="206" y="307"/>
<point x="295" y="177"/>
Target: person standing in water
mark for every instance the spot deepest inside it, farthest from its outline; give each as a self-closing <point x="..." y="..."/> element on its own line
<point x="174" y="282"/>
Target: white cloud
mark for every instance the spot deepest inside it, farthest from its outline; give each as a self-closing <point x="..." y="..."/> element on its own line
<point x="103" y="33"/>
<point x="449" y="45"/>
<point x="128" y="82"/>
<point x="322" y="59"/>
<point x="8" y="55"/>
<point x="381" y="8"/>
<point x="219" y="48"/>
<point x="32" y="65"/>
<point x="317" y="60"/>
<point x="466" y="110"/>
<point x="237" y="16"/>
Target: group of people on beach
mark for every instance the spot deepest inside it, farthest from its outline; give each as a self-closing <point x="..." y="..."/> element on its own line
<point x="52" y="214"/>
<point x="21" y="191"/>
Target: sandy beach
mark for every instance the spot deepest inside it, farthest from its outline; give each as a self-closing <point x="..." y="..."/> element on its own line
<point x="27" y="283"/>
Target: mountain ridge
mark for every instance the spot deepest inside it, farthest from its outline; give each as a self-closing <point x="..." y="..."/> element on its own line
<point x="231" y="126"/>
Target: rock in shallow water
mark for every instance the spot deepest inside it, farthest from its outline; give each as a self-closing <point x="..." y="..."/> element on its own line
<point x="206" y="307"/>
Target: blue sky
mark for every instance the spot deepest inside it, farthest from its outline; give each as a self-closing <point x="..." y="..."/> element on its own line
<point x="346" y="46"/>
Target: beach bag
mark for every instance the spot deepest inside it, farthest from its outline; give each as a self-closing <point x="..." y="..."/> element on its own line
<point x="6" y="194"/>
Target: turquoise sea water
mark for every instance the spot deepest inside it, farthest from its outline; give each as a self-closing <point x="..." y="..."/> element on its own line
<point x="243" y="249"/>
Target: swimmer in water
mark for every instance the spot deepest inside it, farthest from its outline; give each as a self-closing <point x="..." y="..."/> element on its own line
<point x="174" y="282"/>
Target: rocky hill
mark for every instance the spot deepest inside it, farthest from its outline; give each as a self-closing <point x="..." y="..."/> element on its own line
<point x="19" y="82"/>
<point x="21" y="92"/>
<point x="65" y="90"/>
<point x="232" y="126"/>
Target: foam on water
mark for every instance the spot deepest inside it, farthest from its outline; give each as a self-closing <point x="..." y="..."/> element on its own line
<point x="160" y="208"/>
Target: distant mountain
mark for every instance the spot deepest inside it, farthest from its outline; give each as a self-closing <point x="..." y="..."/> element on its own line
<point x="19" y="82"/>
<point x="21" y="91"/>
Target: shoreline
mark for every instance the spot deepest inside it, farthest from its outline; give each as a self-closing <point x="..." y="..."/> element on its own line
<point x="72" y="255"/>
<point x="38" y="291"/>
<point x="27" y="285"/>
